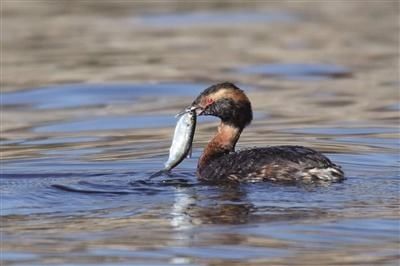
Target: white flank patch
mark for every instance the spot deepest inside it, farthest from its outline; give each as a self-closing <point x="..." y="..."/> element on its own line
<point x="326" y="174"/>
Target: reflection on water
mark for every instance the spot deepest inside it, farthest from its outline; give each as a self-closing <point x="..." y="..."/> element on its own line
<point x="76" y="158"/>
<point x="180" y="219"/>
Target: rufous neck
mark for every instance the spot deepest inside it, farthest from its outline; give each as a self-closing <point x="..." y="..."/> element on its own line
<point x="222" y="143"/>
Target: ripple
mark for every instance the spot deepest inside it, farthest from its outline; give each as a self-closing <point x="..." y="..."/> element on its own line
<point x="300" y="71"/>
<point x="84" y="95"/>
<point x="339" y="130"/>
<point x="60" y="140"/>
<point x="110" y="123"/>
<point x="213" y="18"/>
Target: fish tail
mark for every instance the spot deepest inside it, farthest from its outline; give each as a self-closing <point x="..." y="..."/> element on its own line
<point x="158" y="173"/>
<point x="189" y="155"/>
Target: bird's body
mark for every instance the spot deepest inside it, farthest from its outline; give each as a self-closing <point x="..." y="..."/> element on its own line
<point x="220" y="162"/>
<point x="277" y="163"/>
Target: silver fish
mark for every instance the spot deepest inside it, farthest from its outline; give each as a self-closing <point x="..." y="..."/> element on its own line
<point x="182" y="140"/>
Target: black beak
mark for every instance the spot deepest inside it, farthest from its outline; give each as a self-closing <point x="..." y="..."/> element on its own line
<point x="199" y="110"/>
<point x="191" y="108"/>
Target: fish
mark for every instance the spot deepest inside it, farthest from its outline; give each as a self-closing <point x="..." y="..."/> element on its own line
<point x="182" y="140"/>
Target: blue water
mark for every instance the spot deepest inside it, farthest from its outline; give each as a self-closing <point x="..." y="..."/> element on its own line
<point x="75" y="158"/>
<point x="298" y="71"/>
<point x="110" y="123"/>
<point x="80" y="183"/>
<point x="86" y="95"/>
<point x="214" y="18"/>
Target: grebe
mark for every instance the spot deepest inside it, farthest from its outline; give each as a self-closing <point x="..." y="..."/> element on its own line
<point x="220" y="162"/>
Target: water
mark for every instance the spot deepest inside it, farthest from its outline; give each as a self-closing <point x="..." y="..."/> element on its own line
<point x="86" y="197"/>
<point x="76" y="157"/>
<point x="214" y="18"/>
<point x="87" y="95"/>
<point x="298" y="71"/>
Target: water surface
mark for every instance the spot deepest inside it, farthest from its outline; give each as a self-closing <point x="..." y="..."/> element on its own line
<point x="76" y="156"/>
<point x="298" y="71"/>
<point x="91" y="188"/>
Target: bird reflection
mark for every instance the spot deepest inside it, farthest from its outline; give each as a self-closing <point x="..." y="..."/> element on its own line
<point x="202" y="204"/>
<point x="220" y="205"/>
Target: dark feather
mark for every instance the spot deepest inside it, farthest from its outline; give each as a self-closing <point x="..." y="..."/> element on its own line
<point x="279" y="163"/>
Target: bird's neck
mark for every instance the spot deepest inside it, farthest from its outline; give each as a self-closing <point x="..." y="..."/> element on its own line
<point x="222" y="143"/>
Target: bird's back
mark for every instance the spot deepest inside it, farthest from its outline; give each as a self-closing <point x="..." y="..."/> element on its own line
<point x="277" y="163"/>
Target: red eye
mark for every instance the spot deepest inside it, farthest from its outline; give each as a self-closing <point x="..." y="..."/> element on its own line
<point x="209" y="101"/>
